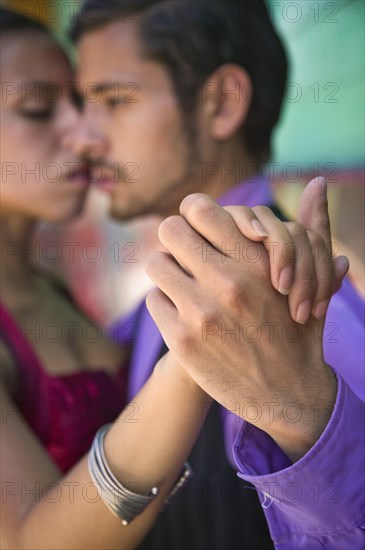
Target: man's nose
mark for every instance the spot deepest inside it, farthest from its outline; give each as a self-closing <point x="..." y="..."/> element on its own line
<point x="86" y="141"/>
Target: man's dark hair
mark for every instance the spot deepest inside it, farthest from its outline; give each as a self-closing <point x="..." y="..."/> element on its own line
<point x="192" y="38"/>
<point x="15" y="21"/>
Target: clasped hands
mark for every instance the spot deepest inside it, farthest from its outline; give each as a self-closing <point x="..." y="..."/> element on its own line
<point x="241" y="299"/>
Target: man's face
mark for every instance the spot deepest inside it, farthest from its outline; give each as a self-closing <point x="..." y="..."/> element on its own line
<point x="132" y="127"/>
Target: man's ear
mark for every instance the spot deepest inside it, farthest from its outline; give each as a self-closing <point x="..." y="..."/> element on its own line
<point x="227" y="95"/>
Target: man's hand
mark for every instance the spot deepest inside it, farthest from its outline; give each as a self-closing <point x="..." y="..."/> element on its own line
<point x="232" y="331"/>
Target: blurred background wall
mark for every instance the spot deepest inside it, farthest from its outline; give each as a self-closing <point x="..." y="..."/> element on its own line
<point x="322" y="128"/>
<point x="321" y="133"/>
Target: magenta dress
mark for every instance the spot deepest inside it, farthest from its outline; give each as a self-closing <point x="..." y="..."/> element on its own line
<point x="64" y="412"/>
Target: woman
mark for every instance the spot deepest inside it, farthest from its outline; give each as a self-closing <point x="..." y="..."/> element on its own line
<point x="65" y="389"/>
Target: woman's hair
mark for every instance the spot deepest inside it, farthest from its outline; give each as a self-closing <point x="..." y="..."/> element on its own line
<point x="193" y="38"/>
<point x="15" y="21"/>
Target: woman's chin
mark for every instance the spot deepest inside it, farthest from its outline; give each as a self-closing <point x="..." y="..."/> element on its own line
<point x="67" y="215"/>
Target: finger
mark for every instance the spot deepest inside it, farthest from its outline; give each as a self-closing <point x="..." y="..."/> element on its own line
<point x="201" y="258"/>
<point x="163" y="312"/>
<point x="313" y="210"/>
<point x="275" y="238"/>
<point x="214" y="223"/>
<point x="247" y="222"/>
<point x="189" y="248"/>
<point x="329" y="274"/>
<point x="170" y="324"/>
<point x="323" y="273"/>
<point x="165" y="272"/>
<point x="314" y="216"/>
<point x="304" y="286"/>
<point x="279" y="245"/>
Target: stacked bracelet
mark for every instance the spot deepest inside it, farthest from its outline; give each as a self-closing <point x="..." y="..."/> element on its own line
<point x="125" y="504"/>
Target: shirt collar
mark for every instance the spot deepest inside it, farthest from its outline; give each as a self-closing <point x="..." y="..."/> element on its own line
<point x="252" y="192"/>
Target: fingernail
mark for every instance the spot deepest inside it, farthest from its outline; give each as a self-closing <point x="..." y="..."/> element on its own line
<point x="303" y="312"/>
<point x="286" y="280"/>
<point x="321" y="309"/>
<point x="259" y="228"/>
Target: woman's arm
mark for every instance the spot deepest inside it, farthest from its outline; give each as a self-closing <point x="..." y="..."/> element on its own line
<point x="42" y="509"/>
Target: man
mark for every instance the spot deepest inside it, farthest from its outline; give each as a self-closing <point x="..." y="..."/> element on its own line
<point x="157" y="79"/>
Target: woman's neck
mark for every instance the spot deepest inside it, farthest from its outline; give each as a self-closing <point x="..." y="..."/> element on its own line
<point x="17" y="280"/>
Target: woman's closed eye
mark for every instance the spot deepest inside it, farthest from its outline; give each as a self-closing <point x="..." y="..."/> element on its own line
<point x="39" y="114"/>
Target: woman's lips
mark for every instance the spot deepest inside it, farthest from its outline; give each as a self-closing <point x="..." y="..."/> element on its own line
<point x="81" y="180"/>
<point x="80" y="177"/>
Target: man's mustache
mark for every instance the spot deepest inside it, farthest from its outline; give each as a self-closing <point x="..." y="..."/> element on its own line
<point x="100" y="169"/>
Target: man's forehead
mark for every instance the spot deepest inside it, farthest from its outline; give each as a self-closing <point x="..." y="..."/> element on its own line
<point x="113" y="56"/>
<point x="106" y="52"/>
<point x="112" y="40"/>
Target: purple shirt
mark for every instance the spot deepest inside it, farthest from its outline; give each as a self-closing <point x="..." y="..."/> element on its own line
<point x="318" y="502"/>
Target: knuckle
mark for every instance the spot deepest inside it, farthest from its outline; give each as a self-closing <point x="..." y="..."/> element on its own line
<point x="315" y="239"/>
<point x="232" y="293"/>
<point x="201" y="207"/>
<point x="263" y="211"/>
<point x="245" y="214"/>
<point x="154" y="262"/>
<point x="205" y="316"/>
<point x="171" y="226"/>
<point x="184" y="342"/>
<point x="246" y="210"/>
<point x="241" y="211"/>
<point x="152" y="300"/>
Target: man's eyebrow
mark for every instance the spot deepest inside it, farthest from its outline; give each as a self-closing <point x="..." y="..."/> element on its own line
<point x="101" y="87"/>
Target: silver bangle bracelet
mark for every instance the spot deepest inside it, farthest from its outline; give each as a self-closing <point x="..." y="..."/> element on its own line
<point x="124" y="503"/>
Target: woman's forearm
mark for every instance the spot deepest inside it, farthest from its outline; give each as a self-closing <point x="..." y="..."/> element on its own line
<point x="168" y="414"/>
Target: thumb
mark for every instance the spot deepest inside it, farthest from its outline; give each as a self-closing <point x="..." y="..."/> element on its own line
<point x="314" y="216"/>
<point x="313" y="210"/>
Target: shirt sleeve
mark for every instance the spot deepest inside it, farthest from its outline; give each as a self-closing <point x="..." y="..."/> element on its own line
<point x="317" y="502"/>
<point x="124" y="330"/>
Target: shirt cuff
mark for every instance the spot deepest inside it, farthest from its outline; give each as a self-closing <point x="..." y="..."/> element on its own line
<point x="320" y="495"/>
